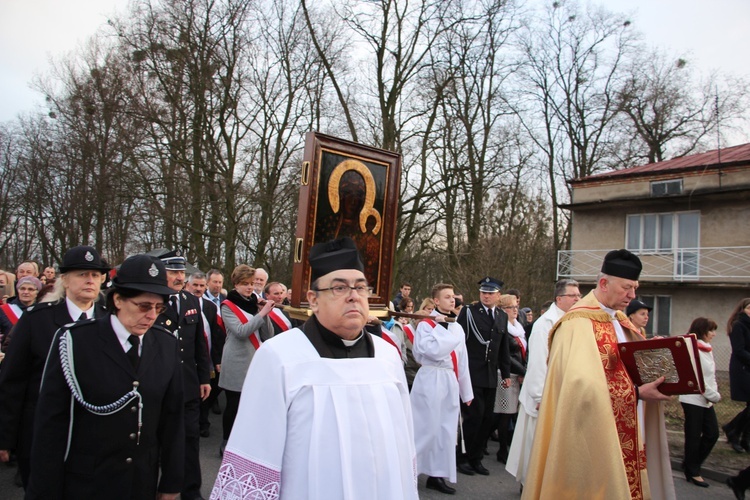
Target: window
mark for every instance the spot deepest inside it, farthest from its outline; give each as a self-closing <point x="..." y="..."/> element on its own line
<point x="664" y="188"/>
<point x="659" y="319"/>
<point x="658" y="233"/>
<point x="675" y="234"/>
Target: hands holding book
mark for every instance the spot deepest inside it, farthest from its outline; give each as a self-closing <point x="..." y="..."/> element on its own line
<point x="650" y="391"/>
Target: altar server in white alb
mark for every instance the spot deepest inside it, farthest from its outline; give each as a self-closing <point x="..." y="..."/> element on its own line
<point x="325" y="408"/>
<point x="443" y="377"/>
<point x="566" y="294"/>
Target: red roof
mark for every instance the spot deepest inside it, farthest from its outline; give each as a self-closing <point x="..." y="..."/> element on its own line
<point x="732" y="155"/>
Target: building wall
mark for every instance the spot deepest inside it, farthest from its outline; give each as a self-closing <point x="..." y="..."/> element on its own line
<point x="623" y="187"/>
<point x="689" y="303"/>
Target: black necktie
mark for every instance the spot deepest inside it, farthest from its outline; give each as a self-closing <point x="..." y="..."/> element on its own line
<point x="133" y="352"/>
<point x="83" y="316"/>
<point x="173" y="303"/>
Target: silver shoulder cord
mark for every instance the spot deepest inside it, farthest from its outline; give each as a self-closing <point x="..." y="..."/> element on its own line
<point x="473" y="327"/>
<point x="68" y="369"/>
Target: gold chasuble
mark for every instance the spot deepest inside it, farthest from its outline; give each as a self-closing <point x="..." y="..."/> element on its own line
<point x="588" y="442"/>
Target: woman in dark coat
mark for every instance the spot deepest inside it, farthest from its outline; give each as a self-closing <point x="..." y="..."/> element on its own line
<point x="738" y="327"/>
<point x="110" y="410"/>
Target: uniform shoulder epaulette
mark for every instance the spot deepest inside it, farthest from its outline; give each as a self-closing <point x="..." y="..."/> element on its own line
<point x="40" y="306"/>
<point x="161" y="329"/>
<point x="78" y="324"/>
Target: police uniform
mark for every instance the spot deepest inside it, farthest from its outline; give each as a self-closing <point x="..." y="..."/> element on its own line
<point x="107" y="458"/>
<point x="106" y="424"/>
<point x="487" y="346"/>
<point x="187" y="327"/>
<point x="23" y="365"/>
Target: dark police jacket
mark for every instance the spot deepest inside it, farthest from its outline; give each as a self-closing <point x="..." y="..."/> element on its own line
<point x="483" y="368"/>
<point x="188" y="329"/>
<point x="106" y="460"/>
<point x="22" y="369"/>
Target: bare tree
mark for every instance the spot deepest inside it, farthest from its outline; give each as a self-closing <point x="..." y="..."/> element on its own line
<point x="673" y="114"/>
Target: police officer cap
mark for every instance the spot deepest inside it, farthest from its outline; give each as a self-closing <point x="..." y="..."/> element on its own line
<point x="623" y="264"/>
<point x="333" y="256"/>
<point x="143" y="273"/>
<point x="82" y="258"/>
<point x="636" y="305"/>
<point x="489" y="284"/>
<point x="173" y="259"/>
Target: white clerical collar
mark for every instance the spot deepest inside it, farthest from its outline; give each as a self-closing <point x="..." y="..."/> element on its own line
<point x="122" y="333"/>
<point x="75" y="311"/>
<point x="618" y="327"/>
<point x="349" y="343"/>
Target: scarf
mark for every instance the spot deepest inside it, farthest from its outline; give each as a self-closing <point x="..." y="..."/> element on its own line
<point x="516" y="329"/>
<point x="249" y="305"/>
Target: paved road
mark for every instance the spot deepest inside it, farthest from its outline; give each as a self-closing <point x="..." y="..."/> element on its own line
<point x="498" y="485"/>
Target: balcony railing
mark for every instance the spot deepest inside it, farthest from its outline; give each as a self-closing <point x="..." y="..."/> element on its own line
<point x="702" y="264"/>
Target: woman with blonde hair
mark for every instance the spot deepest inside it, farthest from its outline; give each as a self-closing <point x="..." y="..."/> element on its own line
<point x="506" y="400"/>
<point x="30" y="342"/>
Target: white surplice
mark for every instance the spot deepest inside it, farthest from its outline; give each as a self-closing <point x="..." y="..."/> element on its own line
<point x="318" y="428"/>
<point x="435" y="396"/>
<point x="531" y="393"/>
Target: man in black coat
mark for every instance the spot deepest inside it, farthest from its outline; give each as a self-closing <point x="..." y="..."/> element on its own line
<point x="21" y="374"/>
<point x="486" y="329"/>
<point x="125" y="423"/>
<point x="184" y="320"/>
<point x="215" y="338"/>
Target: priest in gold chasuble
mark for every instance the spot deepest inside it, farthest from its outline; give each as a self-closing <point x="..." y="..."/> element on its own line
<point x="593" y="439"/>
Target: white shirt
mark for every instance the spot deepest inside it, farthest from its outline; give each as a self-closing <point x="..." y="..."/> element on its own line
<point x="75" y="311"/>
<point x="123" y="335"/>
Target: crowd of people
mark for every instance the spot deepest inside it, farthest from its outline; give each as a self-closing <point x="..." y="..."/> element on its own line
<point x="109" y="377"/>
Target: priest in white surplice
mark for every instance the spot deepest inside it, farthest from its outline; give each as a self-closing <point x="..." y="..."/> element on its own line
<point x="325" y="409"/>
<point x="566" y="294"/>
<point x="443" y="377"/>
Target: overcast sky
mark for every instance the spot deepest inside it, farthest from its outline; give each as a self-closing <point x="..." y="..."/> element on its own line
<point x="714" y="34"/>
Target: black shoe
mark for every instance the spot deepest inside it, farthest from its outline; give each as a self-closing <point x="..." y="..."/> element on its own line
<point x="216" y="409"/>
<point x="737" y="447"/>
<point x="701" y="483"/>
<point x="745" y="445"/>
<point x="222" y="448"/>
<point x="465" y="468"/>
<point x="479" y="468"/>
<point x="205" y="433"/>
<point x="739" y="493"/>
<point x="502" y="457"/>
<point x="438" y="483"/>
<point x="732" y="435"/>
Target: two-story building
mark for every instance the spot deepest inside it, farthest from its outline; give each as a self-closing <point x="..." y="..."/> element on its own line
<point x="688" y="219"/>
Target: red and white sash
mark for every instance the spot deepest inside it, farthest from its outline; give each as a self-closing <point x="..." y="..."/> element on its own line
<point x="389" y="337"/>
<point x="242" y="316"/>
<point x="454" y="356"/>
<point x="409" y="331"/>
<point x="13" y="312"/>
<point x="280" y="320"/>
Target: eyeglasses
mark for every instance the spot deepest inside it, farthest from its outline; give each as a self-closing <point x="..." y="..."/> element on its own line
<point x="145" y="307"/>
<point x="576" y="295"/>
<point x="344" y="290"/>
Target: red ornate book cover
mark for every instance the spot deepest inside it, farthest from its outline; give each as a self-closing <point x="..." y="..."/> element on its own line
<point x="675" y="358"/>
